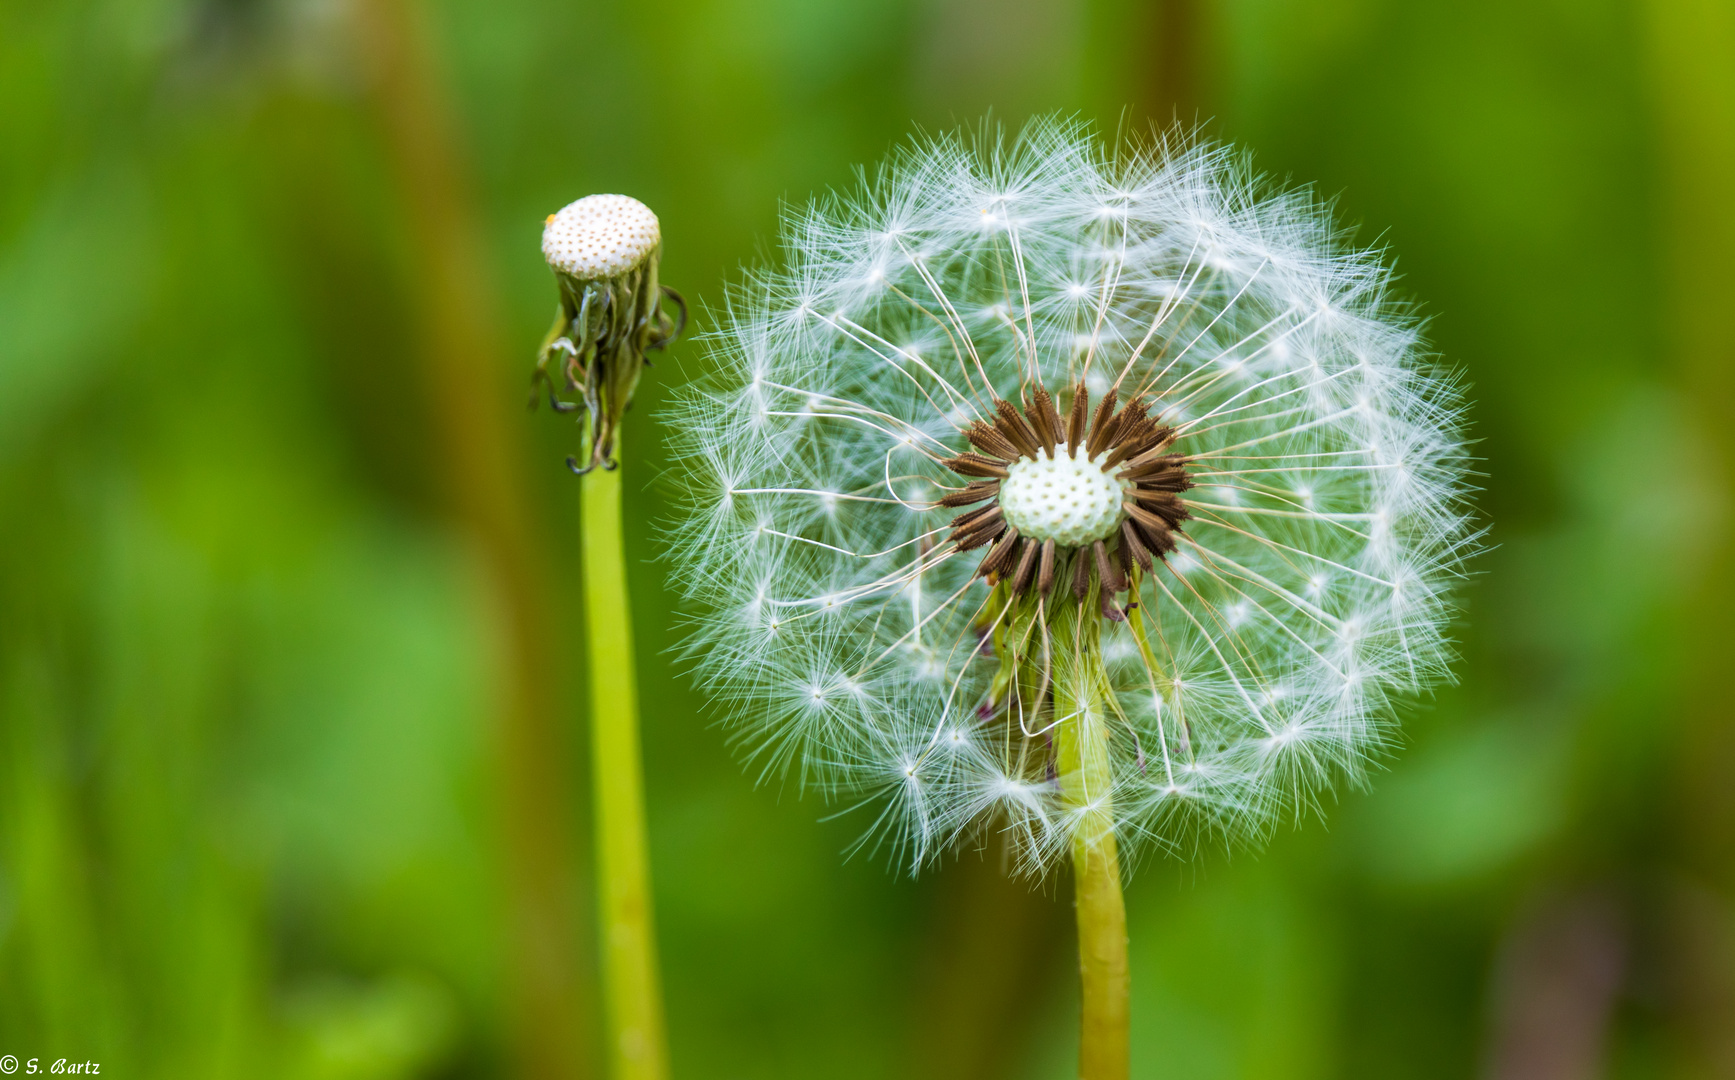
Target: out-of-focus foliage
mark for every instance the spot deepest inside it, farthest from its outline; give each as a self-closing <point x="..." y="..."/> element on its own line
<point x="247" y="785"/>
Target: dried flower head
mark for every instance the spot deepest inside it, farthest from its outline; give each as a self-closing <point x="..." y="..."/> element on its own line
<point x="604" y="251"/>
<point x="600" y="236"/>
<point x="1025" y="436"/>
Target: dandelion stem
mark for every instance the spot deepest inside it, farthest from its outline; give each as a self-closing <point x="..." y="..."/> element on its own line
<point x="1085" y="777"/>
<point x="632" y="994"/>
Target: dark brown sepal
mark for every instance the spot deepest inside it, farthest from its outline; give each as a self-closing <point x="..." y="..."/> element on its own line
<point x="973" y="493"/>
<point x="1078" y="416"/>
<point x="1151" y="462"/>
<point x="1112" y="582"/>
<point x="975" y="519"/>
<point x="1134" y="439"/>
<point x="997" y="556"/>
<point x="1045" y="573"/>
<point x="1154" y="528"/>
<point x="1026" y="566"/>
<point x="1111" y="433"/>
<point x="1175" y="513"/>
<point x="1118" y="453"/>
<point x="1161" y="541"/>
<point x="1080" y="574"/>
<point x="1045" y="420"/>
<point x="987" y="438"/>
<point x="1130" y="541"/>
<point x="1171" y="480"/>
<point x="1118" y="426"/>
<point x="968" y="464"/>
<point x="1163" y="502"/>
<point x="1144" y="517"/>
<point x="980" y="534"/>
<point x="1011" y="424"/>
<point x="1104" y="412"/>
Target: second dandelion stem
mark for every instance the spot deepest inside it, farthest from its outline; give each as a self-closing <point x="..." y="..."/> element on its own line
<point x="632" y="992"/>
<point x="1086" y="777"/>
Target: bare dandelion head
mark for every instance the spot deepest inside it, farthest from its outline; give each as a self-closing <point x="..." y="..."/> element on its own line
<point x="1023" y="433"/>
<point x="600" y="236"/>
<point x="604" y="251"/>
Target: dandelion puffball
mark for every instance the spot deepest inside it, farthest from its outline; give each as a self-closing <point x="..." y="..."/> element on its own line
<point x="600" y="236"/>
<point x="1020" y="410"/>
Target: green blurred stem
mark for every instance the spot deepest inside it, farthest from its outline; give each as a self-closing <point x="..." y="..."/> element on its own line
<point x="1085" y="779"/>
<point x="632" y="995"/>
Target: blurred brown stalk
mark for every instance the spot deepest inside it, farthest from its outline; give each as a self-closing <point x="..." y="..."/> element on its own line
<point x="460" y="339"/>
<point x="998" y="946"/>
<point x="1171" y="85"/>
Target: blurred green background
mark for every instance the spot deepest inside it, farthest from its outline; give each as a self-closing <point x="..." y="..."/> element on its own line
<point x="291" y="724"/>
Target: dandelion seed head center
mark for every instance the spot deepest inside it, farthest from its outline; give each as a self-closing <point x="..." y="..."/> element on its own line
<point x="1065" y="497"/>
<point x="600" y="236"/>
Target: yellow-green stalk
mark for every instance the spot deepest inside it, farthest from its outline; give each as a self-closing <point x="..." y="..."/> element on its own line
<point x="632" y="991"/>
<point x="1081" y="735"/>
<point x="604" y="251"/>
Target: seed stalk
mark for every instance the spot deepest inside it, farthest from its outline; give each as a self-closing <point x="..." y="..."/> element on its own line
<point x="636" y="1047"/>
<point x="1086" y="778"/>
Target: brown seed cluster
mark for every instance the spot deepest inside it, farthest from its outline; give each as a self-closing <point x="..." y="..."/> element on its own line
<point x="1135" y="442"/>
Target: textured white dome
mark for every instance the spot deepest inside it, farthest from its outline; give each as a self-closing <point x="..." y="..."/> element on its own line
<point x="1066" y="498"/>
<point x="600" y="236"/>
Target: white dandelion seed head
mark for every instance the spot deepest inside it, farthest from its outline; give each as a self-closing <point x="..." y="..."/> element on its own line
<point x="1314" y="527"/>
<point x="600" y="236"/>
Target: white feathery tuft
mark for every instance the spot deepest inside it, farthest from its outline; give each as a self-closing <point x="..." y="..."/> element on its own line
<point x="840" y="628"/>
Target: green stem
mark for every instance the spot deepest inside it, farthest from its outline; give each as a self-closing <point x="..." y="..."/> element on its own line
<point x="1086" y="779"/>
<point x="632" y="995"/>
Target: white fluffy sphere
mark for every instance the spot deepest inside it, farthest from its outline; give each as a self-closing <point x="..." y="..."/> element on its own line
<point x="851" y="631"/>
